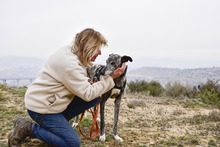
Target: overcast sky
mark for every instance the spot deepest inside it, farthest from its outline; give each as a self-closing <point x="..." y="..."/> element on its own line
<point x="162" y="33"/>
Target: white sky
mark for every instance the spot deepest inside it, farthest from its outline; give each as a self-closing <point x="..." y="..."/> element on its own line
<point x="162" y="33"/>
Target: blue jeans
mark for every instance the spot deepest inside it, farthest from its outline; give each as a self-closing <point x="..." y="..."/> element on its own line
<point x="55" y="129"/>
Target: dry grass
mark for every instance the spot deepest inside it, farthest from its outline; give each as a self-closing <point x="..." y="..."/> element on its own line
<point x="143" y="121"/>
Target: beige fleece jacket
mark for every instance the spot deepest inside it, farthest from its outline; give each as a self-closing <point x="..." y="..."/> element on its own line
<point x="63" y="77"/>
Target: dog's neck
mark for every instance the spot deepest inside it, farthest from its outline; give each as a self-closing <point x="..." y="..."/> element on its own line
<point x="120" y="82"/>
<point x="119" y="87"/>
<point x="99" y="71"/>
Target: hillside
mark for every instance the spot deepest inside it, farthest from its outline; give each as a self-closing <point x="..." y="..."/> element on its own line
<point x="13" y="68"/>
<point x="27" y="68"/>
<point x="19" y="67"/>
<point x="185" y="76"/>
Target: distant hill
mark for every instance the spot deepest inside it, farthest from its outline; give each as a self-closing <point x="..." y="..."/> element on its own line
<point x="13" y="67"/>
<point x="26" y="67"/>
<point x="185" y="76"/>
<point x="19" y="67"/>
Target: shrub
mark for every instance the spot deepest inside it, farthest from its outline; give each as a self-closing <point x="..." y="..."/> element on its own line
<point x="209" y="85"/>
<point x="175" y="90"/>
<point x="138" y="86"/>
<point x="209" y="93"/>
<point x="3" y="87"/>
<point x="155" y="88"/>
<point x="19" y="91"/>
<point x="210" y="97"/>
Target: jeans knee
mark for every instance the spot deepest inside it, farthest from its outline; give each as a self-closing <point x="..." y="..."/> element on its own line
<point x="75" y="142"/>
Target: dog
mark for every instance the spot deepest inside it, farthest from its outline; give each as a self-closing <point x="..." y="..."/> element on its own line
<point x="94" y="72"/>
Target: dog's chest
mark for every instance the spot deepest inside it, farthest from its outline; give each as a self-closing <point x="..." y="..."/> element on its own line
<point x="119" y="87"/>
<point x="115" y="92"/>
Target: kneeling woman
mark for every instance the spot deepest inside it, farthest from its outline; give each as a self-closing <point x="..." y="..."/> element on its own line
<point x="62" y="91"/>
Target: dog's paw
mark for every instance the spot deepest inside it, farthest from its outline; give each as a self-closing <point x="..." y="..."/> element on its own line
<point x="75" y="124"/>
<point x="98" y="119"/>
<point x="118" y="138"/>
<point x="102" y="138"/>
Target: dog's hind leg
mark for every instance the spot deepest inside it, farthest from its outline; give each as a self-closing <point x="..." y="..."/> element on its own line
<point x="116" y="115"/>
<point x="75" y="122"/>
<point x="76" y="119"/>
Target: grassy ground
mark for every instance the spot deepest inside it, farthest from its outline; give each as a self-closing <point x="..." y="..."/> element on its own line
<point x="143" y="121"/>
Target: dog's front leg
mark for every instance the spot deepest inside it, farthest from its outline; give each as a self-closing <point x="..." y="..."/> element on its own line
<point x="102" y="117"/>
<point x="116" y="115"/>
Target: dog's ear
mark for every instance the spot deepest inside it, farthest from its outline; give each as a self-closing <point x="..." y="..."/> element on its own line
<point x="126" y="59"/>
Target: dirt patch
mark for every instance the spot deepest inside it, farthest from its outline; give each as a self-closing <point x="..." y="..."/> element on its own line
<point x="161" y="121"/>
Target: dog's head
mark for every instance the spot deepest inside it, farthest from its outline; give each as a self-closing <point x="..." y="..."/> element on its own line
<point x="115" y="61"/>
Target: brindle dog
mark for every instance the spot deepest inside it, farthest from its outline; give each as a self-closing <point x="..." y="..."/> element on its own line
<point x="94" y="72"/>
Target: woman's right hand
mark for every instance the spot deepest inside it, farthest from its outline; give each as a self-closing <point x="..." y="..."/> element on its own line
<point x="119" y="71"/>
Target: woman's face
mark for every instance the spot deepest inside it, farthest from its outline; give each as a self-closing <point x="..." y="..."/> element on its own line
<point x="96" y="55"/>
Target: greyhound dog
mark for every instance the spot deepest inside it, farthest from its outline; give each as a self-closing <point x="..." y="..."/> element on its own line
<point x="94" y="72"/>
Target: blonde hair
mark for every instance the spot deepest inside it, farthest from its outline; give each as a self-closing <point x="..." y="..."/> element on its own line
<point x="86" y="44"/>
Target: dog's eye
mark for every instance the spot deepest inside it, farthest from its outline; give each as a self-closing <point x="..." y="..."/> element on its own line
<point x="112" y="63"/>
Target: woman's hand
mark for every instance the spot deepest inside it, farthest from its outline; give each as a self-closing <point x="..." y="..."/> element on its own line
<point x="119" y="71"/>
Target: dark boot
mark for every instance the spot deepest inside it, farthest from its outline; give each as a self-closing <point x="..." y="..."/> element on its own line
<point x="22" y="129"/>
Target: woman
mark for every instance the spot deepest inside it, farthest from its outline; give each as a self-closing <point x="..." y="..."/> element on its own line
<point x="62" y="91"/>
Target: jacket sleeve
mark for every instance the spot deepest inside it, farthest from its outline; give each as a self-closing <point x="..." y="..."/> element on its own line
<point x="76" y="81"/>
